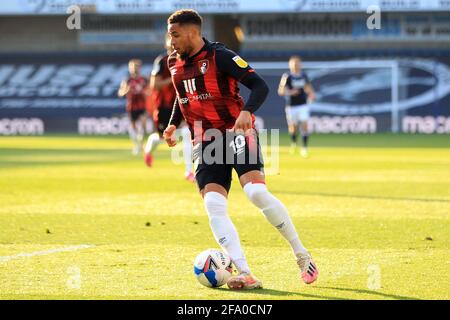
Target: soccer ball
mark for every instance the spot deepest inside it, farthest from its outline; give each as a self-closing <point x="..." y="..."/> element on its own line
<point x="213" y="268"/>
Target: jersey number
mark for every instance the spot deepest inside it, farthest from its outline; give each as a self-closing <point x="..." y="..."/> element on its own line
<point x="238" y="144"/>
<point x="189" y="85"/>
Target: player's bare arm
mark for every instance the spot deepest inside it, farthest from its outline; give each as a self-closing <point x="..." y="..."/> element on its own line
<point x="309" y="90"/>
<point x="123" y="89"/>
<point x="174" y="122"/>
<point x="282" y="85"/>
<point x="283" y="90"/>
<point x="169" y="135"/>
<point x="243" y="122"/>
<point x="158" y="82"/>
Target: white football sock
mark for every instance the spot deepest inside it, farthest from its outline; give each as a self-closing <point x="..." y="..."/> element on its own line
<point x="152" y="142"/>
<point x="187" y="149"/>
<point x="133" y="134"/>
<point x="140" y="137"/>
<point x="223" y="229"/>
<point x="275" y="213"/>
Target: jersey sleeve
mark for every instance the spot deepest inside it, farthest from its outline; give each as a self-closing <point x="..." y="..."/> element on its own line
<point x="158" y="66"/>
<point x="288" y="81"/>
<point x="232" y="64"/>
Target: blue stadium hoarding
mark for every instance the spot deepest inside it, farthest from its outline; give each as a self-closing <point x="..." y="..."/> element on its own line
<point x="59" y="90"/>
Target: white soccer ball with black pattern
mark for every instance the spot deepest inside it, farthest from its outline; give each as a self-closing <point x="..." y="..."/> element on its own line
<point x="213" y="268"/>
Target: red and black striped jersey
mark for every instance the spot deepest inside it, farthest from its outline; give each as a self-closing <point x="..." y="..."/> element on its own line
<point x="207" y="87"/>
<point x="164" y="97"/>
<point x="136" y="98"/>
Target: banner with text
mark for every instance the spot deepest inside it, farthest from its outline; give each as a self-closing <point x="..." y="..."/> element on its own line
<point x="52" y="93"/>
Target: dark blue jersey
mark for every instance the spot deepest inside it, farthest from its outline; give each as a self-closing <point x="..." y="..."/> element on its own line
<point x="296" y="81"/>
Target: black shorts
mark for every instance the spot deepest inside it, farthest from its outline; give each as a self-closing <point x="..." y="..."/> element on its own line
<point x="135" y="114"/>
<point x="218" y="158"/>
<point x="164" y="115"/>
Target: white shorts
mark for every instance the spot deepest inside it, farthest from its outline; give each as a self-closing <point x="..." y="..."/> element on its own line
<point x="296" y="114"/>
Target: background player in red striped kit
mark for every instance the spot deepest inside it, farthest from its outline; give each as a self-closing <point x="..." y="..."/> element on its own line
<point x="163" y="95"/>
<point x="135" y="88"/>
<point x="206" y="77"/>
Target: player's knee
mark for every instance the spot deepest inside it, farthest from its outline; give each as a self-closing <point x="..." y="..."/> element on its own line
<point x="258" y="194"/>
<point x="292" y="129"/>
<point x="215" y="204"/>
<point x="269" y="205"/>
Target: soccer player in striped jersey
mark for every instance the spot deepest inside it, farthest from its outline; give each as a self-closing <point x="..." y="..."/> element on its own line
<point x="206" y="75"/>
<point x="163" y="96"/>
<point x="134" y="88"/>
<point x="298" y="91"/>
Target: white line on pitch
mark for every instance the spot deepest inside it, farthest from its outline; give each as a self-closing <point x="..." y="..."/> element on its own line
<point x="45" y="252"/>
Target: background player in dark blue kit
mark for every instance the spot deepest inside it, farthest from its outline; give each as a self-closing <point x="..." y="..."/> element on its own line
<point x="298" y="91"/>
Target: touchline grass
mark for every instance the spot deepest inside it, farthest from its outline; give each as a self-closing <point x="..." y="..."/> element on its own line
<point x="81" y="218"/>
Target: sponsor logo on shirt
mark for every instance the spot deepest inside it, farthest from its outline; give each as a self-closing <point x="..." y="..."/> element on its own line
<point x="203" y="66"/>
<point x="199" y="97"/>
<point x="240" y="62"/>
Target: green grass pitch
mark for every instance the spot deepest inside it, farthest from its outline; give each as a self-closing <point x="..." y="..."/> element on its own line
<point x="374" y="210"/>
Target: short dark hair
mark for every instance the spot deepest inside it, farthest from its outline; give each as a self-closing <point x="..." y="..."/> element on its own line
<point x="185" y="16"/>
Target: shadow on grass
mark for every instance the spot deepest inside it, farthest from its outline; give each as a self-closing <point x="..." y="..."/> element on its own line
<point x="272" y="292"/>
<point x="26" y="164"/>
<point x="360" y="292"/>
<point x="14" y="157"/>
<point x="17" y="152"/>
<point x="370" y="292"/>
<point x="20" y="158"/>
<point x="321" y="194"/>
